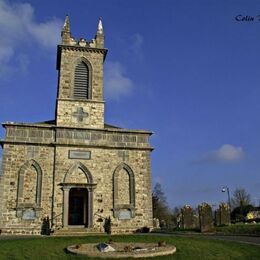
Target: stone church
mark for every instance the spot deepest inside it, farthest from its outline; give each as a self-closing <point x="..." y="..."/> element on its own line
<point x="76" y="169"/>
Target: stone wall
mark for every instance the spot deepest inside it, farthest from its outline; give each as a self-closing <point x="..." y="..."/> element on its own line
<point x="40" y="134"/>
<point x="102" y="166"/>
<point x="206" y="218"/>
<point x="187" y="217"/>
<point x="222" y="215"/>
<point x="43" y="134"/>
<point x="28" y="148"/>
<point x="92" y="116"/>
<point x="15" y="157"/>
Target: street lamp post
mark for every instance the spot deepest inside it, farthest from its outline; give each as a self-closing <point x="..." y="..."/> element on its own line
<point x="226" y="189"/>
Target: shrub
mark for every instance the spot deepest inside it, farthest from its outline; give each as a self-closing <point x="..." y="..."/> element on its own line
<point x="236" y="229"/>
<point x="239" y="213"/>
<point x="145" y="230"/>
<point x="107" y="225"/>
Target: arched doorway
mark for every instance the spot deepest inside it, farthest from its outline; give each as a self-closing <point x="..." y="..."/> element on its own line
<point x="78" y="190"/>
<point x="78" y="207"/>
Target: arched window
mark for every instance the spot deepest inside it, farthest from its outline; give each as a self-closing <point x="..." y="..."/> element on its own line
<point x="81" y="81"/>
<point x="124" y="192"/>
<point x="29" y="190"/>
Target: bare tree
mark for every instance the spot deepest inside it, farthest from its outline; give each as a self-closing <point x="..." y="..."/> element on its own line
<point x="240" y="198"/>
<point x="160" y="206"/>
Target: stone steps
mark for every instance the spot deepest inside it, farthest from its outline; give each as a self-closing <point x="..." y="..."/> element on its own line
<point x="76" y="232"/>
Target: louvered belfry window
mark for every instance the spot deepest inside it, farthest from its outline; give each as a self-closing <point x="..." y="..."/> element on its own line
<point x="81" y="81"/>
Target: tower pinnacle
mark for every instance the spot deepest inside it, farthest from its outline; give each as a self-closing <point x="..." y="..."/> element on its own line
<point x="65" y="33"/>
<point x="66" y="26"/>
<point x="100" y="35"/>
<point x="100" y="27"/>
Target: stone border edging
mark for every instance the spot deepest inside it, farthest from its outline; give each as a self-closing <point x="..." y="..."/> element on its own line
<point x="91" y="250"/>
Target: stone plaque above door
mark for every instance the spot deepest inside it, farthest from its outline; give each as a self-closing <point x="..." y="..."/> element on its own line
<point x="74" y="154"/>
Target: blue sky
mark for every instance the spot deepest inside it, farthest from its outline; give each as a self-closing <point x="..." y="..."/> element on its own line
<point x="186" y="70"/>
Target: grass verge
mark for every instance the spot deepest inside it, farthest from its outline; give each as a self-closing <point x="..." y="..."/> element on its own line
<point x="187" y="248"/>
<point x="240" y="229"/>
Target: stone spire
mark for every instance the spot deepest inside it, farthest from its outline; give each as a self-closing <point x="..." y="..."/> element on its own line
<point x="100" y="35"/>
<point x="65" y="33"/>
<point x="100" y="27"/>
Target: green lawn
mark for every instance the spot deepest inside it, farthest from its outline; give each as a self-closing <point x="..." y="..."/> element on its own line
<point x="237" y="229"/>
<point x="187" y="248"/>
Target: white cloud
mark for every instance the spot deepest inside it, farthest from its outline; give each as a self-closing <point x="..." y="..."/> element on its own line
<point x="19" y="30"/>
<point x="23" y="61"/>
<point x="117" y="84"/>
<point x="136" y="46"/>
<point x="6" y="52"/>
<point x="226" y="153"/>
<point x="132" y="46"/>
<point x="46" y="34"/>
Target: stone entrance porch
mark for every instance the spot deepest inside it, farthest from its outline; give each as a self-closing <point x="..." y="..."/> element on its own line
<point x="78" y="205"/>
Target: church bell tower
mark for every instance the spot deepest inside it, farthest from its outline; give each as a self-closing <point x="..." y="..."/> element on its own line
<point x="80" y="101"/>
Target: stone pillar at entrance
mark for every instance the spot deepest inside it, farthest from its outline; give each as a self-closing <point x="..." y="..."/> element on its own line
<point x="90" y="207"/>
<point x="65" y="205"/>
<point x="89" y="203"/>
